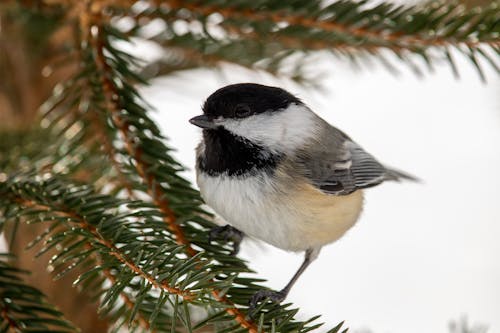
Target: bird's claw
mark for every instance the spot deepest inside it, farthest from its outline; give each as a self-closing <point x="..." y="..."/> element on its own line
<point x="227" y="233"/>
<point x="262" y="295"/>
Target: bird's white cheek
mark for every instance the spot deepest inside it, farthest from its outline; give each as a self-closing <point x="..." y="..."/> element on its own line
<point x="278" y="131"/>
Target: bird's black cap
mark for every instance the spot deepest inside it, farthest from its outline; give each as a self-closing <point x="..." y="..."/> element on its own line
<point x="245" y="99"/>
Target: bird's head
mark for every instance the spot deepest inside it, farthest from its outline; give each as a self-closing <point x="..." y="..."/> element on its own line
<point x="266" y="116"/>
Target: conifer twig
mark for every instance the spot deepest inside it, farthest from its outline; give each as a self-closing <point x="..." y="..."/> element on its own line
<point x="110" y="151"/>
<point x="5" y="315"/>
<point x="112" y="249"/>
<point x="111" y="99"/>
<point x="129" y="303"/>
<point x="154" y="189"/>
<point x="296" y="20"/>
<point x="24" y="308"/>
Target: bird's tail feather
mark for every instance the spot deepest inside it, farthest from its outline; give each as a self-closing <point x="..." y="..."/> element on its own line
<point x="397" y="175"/>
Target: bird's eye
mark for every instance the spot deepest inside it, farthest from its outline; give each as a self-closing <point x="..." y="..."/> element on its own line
<point x="242" y="110"/>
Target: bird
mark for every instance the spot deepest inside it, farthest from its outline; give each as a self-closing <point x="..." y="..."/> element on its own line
<point x="276" y="171"/>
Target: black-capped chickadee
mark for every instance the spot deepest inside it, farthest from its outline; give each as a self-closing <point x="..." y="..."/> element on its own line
<point x="276" y="171"/>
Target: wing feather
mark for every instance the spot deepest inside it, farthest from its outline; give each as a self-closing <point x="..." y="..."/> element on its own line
<point x="340" y="166"/>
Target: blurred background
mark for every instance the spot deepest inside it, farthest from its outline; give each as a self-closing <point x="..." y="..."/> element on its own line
<point x="423" y="255"/>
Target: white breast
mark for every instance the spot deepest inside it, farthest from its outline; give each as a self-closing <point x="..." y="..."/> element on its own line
<point x="280" y="212"/>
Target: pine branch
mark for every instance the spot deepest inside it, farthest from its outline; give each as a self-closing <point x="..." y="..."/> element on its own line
<point x="78" y="209"/>
<point x="85" y="225"/>
<point x="155" y="190"/>
<point x="111" y="153"/>
<point x="51" y="106"/>
<point x="276" y="30"/>
<point x="112" y="249"/>
<point x="96" y="39"/>
<point x="405" y="35"/>
<point x="26" y="194"/>
<point x="24" y="308"/>
<point x="129" y="303"/>
<point x="51" y="200"/>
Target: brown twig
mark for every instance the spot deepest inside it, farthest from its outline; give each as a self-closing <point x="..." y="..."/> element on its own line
<point x="113" y="250"/>
<point x="111" y="99"/>
<point x="288" y="41"/>
<point x="129" y="303"/>
<point x="12" y="324"/>
<point x="139" y="318"/>
<point x="94" y="21"/>
<point x="296" y="20"/>
<point x="110" y="151"/>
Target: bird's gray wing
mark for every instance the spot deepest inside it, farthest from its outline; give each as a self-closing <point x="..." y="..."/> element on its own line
<point x="337" y="165"/>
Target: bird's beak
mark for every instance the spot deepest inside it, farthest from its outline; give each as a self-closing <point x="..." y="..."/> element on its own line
<point x="203" y="121"/>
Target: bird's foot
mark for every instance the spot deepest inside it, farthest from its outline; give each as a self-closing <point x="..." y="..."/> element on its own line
<point x="227" y="233"/>
<point x="262" y="295"/>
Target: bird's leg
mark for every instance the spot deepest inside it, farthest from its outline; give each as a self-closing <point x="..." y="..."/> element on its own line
<point x="227" y="233"/>
<point x="279" y="296"/>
